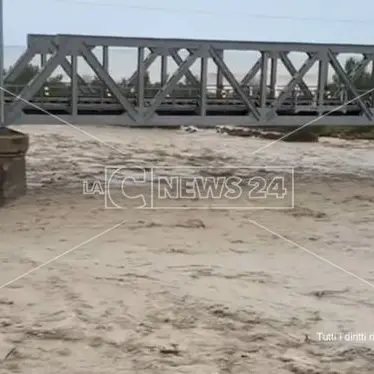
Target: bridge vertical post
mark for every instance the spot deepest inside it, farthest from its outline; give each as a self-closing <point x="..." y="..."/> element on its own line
<point x="203" y="84"/>
<point x="164" y="70"/>
<point x="43" y="59"/>
<point x="141" y="79"/>
<point x="273" y="76"/>
<point x="263" y="79"/>
<point x="323" y="65"/>
<point x="105" y="63"/>
<point x="74" y="84"/>
<point x="372" y="83"/>
<point x="219" y="78"/>
<point x="105" y="57"/>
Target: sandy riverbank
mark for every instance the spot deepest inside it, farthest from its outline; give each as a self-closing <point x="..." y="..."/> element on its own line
<point x="187" y="291"/>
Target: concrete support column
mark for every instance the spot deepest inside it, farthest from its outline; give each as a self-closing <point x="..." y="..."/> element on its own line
<point x="13" y="149"/>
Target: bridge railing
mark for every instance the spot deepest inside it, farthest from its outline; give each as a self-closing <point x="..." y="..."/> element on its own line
<point x="296" y="97"/>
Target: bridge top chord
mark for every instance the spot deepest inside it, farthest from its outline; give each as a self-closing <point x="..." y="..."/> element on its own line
<point x="239" y="45"/>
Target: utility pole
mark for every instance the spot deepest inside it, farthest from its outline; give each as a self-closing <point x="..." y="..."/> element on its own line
<point x="2" y="112"/>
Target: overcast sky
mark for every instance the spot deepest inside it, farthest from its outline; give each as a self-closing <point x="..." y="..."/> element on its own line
<point x="321" y="21"/>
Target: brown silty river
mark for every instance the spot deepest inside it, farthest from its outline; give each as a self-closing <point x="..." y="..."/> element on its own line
<point x="93" y="290"/>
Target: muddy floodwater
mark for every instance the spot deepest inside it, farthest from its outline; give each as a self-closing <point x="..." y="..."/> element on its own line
<point x="188" y="288"/>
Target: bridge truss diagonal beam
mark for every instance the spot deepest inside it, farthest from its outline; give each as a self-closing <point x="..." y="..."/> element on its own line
<point x="293" y="71"/>
<point x="20" y="65"/>
<point x="26" y="58"/>
<point x="345" y="78"/>
<point x="51" y="46"/>
<point x="311" y="60"/>
<point x="251" y="73"/>
<point x="148" y="61"/>
<point x="40" y="44"/>
<point x="174" y="53"/>
<point x="359" y="69"/>
<point x="35" y="84"/>
<point x="95" y="65"/>
<point x="234" y="83"/>
<point x="82" y="86"/>
<point x="68" y="69"/>
<point x="170" y="84"/>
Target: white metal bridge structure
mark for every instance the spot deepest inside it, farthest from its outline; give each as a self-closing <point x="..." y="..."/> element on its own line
<point x="136" y="105"/>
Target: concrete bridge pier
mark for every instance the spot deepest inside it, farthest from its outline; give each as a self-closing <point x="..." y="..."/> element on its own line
<point x="13" y="149"/>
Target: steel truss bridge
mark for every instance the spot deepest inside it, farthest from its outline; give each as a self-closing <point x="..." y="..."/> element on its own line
<point x="81" y="103"/>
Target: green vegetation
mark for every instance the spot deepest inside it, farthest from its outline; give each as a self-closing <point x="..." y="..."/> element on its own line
<point x="30" y="72"/>
<point x="362" y="81"/>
